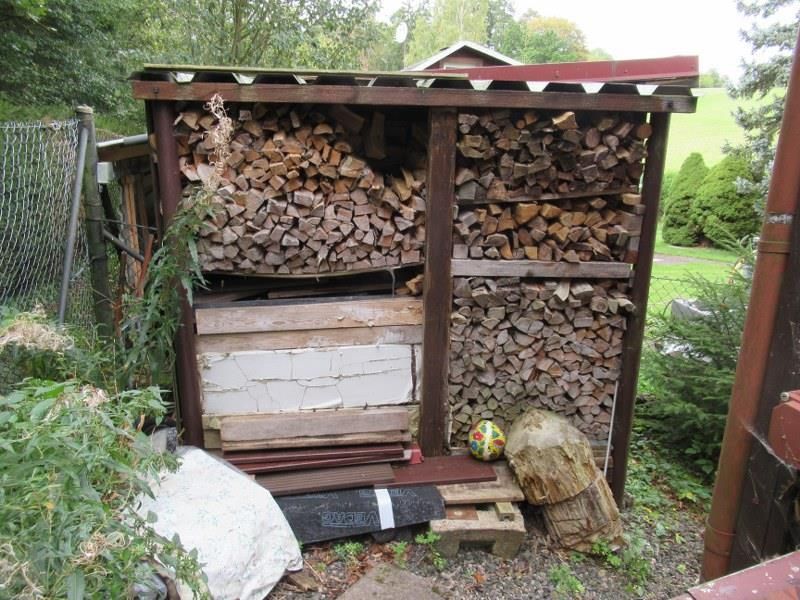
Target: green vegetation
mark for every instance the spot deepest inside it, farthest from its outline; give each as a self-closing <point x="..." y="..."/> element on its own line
<point x="630" y="560"/>
<point x="349" y="552"/>
<point x="428" y="540"/>
<point x="677" y="228"/>
<point x="567" y="585"/>
<point x="720" y="210"/>
<point x="400" y="553"/>
<point x="688" y="369"/>
<point x="722" y="255"/>
<point x="73" y="461"/>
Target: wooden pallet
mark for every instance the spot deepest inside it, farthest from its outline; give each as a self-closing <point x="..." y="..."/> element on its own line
<point x="500" y="525"/>
<point x="504" y="489"/>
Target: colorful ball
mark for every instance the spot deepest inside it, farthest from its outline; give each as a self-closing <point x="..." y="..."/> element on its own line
<point x="486" y="440"/>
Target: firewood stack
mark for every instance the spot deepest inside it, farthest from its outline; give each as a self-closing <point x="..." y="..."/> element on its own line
<point x="520" y="343"/>
<point x="570" y="230"/>
<point x="302" y="192"/>
<point x="528" y="156"/>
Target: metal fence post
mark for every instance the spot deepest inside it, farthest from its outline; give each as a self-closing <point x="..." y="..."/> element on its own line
<point x="69" y="250"/>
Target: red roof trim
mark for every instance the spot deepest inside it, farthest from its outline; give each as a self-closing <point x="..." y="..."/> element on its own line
<point x="643" y="69"/>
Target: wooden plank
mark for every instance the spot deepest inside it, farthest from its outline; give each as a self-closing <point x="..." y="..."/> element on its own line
<point x="411" y="96"/>
<point x="505" y="489"/>
<point x="387" y="450"/>
<point x="319" y="441"/>
<point x="317" y="315"/>
<point x="300" y="465"/>
<point x="551" y="197"/>
<point x="312" y="338"/>
<point x="437" y="292"/>
<point x="440" y="470"/>
<point x="634" y="335"/>
<point x="539" y="268"/>
<point x="321" y="480"/>
<point x="251" y="427"/>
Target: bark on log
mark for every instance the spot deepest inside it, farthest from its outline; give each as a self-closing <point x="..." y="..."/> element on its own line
<point x="552" y="460"/>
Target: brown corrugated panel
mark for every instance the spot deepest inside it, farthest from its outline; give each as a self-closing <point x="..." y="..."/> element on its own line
<point x="321" y="480"/>
<point x="439" y="470"/>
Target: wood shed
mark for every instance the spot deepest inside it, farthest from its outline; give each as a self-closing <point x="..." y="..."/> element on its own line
<point x="408" y="240"/>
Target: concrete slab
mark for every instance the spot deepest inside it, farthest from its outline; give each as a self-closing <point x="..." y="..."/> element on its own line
<point x="387" y="582"/>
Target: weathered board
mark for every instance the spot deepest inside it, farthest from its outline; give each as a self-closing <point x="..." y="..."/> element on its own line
<point x="311" y="338"/>
<point x="309" y="378"/>
<point x="505" y="489"/>
<point x="335" y="422"/>
<point x="298" y="316"/>
<point x="326" y="516"/>
<point x="322" y="441"/>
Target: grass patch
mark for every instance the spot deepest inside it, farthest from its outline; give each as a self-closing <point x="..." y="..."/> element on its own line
<point x="703" y="253"/>
<point x="707" y="130"/>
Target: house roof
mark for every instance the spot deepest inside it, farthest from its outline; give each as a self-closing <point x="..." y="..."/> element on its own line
<point x="461" y="44"/>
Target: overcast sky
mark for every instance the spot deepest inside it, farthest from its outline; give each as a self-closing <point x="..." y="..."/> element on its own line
<point x="650" y="28"/>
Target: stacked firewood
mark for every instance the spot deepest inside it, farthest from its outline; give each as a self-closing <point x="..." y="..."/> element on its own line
<point x="520" y="343"/>
<point x="300" y="192"/>
<point x="509" y="156"/>
<point x="571" y="230"/>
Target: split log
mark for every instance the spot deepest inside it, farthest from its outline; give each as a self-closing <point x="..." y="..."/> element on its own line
<point x="507" y="156"/>
<point x="303" y="192"/>
<point x="591" y="229"/>
<point x="521" y="343"/>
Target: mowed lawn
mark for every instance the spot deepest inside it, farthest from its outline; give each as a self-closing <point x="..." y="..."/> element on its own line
<point x="675" y="267"/>
<point x="707" y="130"/>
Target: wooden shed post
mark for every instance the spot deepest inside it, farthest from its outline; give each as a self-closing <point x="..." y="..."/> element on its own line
<point x="95" y="217"/>
<point x="437" y="295"/>
<point x="634" y="336"/>
<point x="169" y="189"/>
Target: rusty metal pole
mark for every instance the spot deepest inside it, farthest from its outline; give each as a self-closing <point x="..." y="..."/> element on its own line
<point x="771" y="259"/>
<point x="169" y="186"/>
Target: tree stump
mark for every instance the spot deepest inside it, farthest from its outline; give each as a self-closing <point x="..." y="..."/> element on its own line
<point x="554" y="464"/>
<point x="589" y="517"/>
<point x="552" y="460"/>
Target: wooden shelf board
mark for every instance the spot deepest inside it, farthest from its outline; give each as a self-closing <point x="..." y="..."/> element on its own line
<point x="539" y="268"/>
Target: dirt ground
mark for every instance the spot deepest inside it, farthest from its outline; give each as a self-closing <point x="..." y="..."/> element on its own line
<point x="662" y="560"/>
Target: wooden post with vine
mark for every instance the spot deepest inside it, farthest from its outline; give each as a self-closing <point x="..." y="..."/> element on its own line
<point x="93" y="206"/>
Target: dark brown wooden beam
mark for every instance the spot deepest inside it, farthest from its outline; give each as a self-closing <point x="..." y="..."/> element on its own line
<point x="169" y="185"/>
<point x="397" y="96"/>
<point x="437" y="294"/>
<point x="632" y="345"/>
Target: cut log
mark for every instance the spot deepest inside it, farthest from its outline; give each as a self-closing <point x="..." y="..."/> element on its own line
<point x="580" y="522"/>
<point x="551" y="459"/>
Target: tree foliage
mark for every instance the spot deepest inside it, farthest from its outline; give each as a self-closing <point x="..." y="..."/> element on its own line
<point x="538" y="39"/>
<point x="447" y="22"/>
<point x="677" y="228"/>
<point x="771" y="37"/>
<point x="71" y="51"/>
<point x="321" y="34"/>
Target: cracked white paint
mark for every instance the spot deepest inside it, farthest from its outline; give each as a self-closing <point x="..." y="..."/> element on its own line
<point x="309" y="378"/>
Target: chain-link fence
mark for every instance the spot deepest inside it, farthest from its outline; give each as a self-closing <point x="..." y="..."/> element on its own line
<point x="37" y="172"/>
